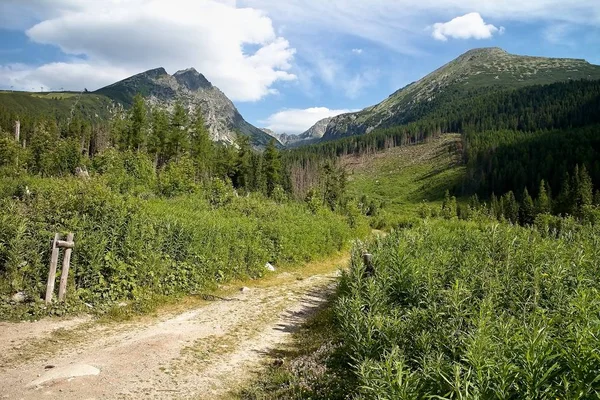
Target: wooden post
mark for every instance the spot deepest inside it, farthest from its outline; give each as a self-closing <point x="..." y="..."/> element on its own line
<point x="52" y="271"/>
<point x="368" y="261"/>
<point x="64" y="274"/>
<point x="17" y="131"/>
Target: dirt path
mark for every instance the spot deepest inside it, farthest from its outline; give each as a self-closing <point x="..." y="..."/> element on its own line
<point x="201" y="353"/>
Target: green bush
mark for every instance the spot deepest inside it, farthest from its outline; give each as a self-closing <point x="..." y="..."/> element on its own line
<point x="474" y="310"/>
<point x="131" y="248"/>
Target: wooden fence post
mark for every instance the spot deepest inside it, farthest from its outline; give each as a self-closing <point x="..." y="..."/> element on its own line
<point x="64" y="274"/>
<point x="17" y="131"/>
<point x="52" y="271"/>
<point x="368" y="261"/>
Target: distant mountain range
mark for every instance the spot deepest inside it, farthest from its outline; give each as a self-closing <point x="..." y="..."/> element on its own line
<point x="312" y="135"/>
<point x="476" y="71"/>
<point x="490" y="69"/>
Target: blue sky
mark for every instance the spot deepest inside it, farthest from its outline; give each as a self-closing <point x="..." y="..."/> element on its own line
<point x="285" y="64"/>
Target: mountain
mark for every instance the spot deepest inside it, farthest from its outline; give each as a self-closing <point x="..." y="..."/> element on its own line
<point x="193" y="90"/>
<point x="478" y="70"/>
<point x="312" y="135"/>
<point x="317" y="130"/>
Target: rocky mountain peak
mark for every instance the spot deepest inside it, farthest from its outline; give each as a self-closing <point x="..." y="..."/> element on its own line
<point x="191" y="89"/>
<point x="192" y="79"/>
<point x="153" y="73"/>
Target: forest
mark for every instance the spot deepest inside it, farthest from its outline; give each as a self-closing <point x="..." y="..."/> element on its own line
<point x="157" y="208"/>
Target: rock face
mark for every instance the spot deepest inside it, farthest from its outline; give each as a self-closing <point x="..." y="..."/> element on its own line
<point x="193" y="90"/>
<point x="312" y="135"/>
<point x="491" y="68"/>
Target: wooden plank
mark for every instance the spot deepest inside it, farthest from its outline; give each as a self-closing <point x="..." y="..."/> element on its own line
<point x="52" y="271"/>
<point x="64" y="275"/>
<point x="17" y="131"/>
<point x="69" y="244"/>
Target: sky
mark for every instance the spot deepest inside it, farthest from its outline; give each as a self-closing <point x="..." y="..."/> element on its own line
<point x="284" y="63"/>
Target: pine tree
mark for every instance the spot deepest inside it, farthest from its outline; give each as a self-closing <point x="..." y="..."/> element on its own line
<point x="243" y="162"/>
<point x="201" y="146"/>
<point x="564" y="204"/>
<point x="271" y="167"/>
<point x="495" y="207"/>
<point x="137" y="131"/>
<point x="527" y="209"/>
<point x="449" y="206"/>
<point x="178" y="137"/>
<point x="510" y="207"/>
<point x="597" y="198"/>
<point x="542" y="203"/>
<point x="158" y="138"/>
<point x="585" y="190"/>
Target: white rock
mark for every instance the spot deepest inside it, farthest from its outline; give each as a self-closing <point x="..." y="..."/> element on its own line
<point x="19" y="297"/>
<point x="245" y="289"/>
<point x="270" y="267"/>
<point x="68" y="372"/>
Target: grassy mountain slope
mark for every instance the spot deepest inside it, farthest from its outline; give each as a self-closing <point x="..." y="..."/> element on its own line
<point x="59" y="104"/>
<point x="478" y="70"/>
<point x="403" y="177"/>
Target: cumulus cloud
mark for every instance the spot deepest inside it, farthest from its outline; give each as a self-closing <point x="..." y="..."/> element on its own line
<point x="398" y="24"/>
<point x="112" y="39"/>
<point x="468" y="26"/>
<point x="357" y="51"/>
<point x="296" y="121"/>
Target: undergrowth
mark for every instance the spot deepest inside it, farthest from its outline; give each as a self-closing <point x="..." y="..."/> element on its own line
<point x="136" y="250"/>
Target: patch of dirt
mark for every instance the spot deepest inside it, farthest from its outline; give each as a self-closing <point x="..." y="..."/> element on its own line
<point x="202" y="353"/>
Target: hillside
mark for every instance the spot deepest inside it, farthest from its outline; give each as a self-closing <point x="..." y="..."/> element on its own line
<point x="403" y="177"/>
<point x="193" y="90"/>
<point x="477" y="71"/>
<point x="61" y="105"/>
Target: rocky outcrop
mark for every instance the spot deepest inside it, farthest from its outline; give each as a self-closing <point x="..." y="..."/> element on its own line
<point x="312" y="135"/>
<point x="193" y="90"/>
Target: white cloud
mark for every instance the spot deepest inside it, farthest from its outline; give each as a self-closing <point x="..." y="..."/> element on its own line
<point x="357" y="51"/>
<point x="296" y="121"/>
<point x="398" y="24"/>
<point x="558" y="34"/>
<point x="131" y="36"/>
<point x="335" y="74"/>
<point x="468" y="26"/>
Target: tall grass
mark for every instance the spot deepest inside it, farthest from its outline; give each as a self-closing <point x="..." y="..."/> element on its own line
<point x="462" y="310"/>
<point x="131" y="248"/>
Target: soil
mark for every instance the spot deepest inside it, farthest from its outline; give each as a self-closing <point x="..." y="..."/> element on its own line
<point x="206" y="351"/>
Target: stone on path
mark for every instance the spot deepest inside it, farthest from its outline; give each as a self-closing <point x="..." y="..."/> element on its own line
<point x="67" y="372"/>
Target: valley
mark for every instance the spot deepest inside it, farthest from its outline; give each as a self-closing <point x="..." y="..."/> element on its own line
<point x="440" y="244"/>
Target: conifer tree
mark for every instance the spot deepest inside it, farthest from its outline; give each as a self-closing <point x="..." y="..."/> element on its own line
<point x="137" y="131"/>
<point x="449" y="206"/>
<point x="178" y="142"/>
<point x="527" y="209"/>
<point x="243" y="162"/>
<point x="510" y="207"/>
<point x="158" y="138"/>
<point x="201" y="146"/>
<point x="495" y="207"/>
<point x="564" y="203"/>
<point x="542" y="203"/>
<point x="271" y="167"/>
<point x="585" y="190"/>
<point x="597" y="198"/>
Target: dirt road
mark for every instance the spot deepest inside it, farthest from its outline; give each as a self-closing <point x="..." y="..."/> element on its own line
<point x="200" y="353"/>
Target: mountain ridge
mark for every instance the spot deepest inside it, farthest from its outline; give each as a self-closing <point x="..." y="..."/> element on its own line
<point x="193" y="91"/>
<point x="492" y="68"/>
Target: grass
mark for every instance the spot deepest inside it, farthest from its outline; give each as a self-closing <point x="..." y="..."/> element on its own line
<point x="403" y="177"/>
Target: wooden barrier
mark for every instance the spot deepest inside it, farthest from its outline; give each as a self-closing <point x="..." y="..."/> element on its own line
<point x="57" y="244"/>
